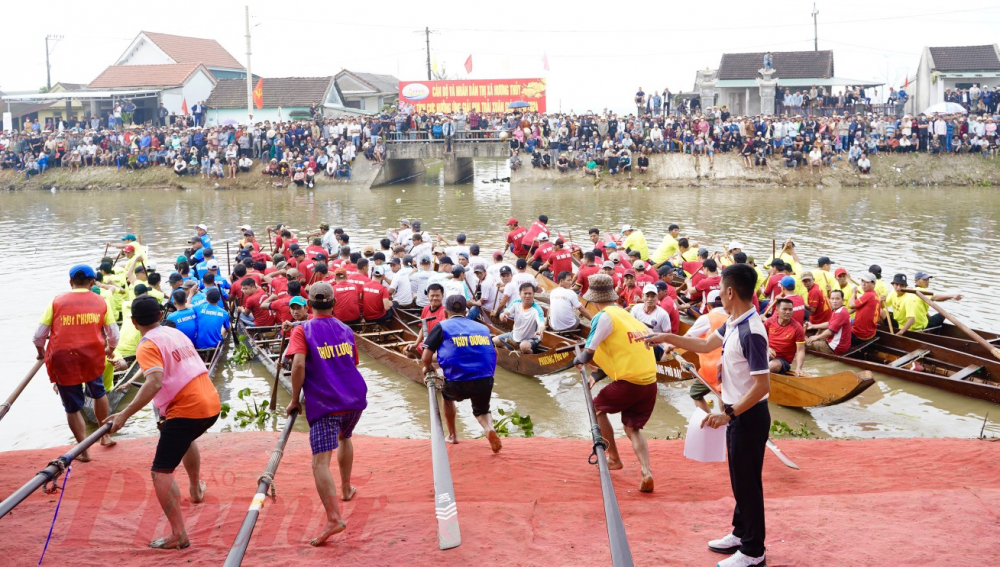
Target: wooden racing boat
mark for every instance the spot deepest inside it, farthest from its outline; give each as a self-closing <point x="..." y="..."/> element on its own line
<point x="264" y="342"/>
<point x="214" y="356"/>
<point x="926" y="363"/>
<point x="386" y="343"/>
<point x="950" y="336"/>
<point x="114" y="396"/>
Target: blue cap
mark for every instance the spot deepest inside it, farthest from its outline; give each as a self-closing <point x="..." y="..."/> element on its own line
<point x="788" y="282"/>
<point x="297" y="300"/>
<point x="88" y="272"/>
<point x="128" y="237"/>
<point x="922" y="276"/>
<point x="611" y="245"/>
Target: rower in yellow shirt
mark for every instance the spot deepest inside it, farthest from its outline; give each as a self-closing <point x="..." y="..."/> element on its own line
<point x="823" y="278"/>
<point x="668" y="246"/>
<point x="905" y="309"/>
<point x="844" y="283"/>
<point x="881" y="290"/>
<point x="922" y="280"/>
<point x="635" y="240"/>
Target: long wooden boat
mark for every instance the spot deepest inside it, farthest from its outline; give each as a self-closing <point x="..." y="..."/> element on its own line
<point x="265" y="343"/>
<point x="386" y="343"/>
<point x="926" y="363"/>
<point x="114" y="396"/>
<point x="950" y="336"/>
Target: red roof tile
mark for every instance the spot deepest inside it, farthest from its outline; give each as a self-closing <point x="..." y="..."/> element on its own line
<point x="194" y="50"/>
<point x="123" y="76"/>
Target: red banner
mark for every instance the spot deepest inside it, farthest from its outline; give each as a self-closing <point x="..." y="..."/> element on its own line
<point x="489" y="95"/>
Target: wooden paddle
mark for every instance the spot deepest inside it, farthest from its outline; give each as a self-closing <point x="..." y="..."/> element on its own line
<point x="972" y="334"/>
<point x="229" y="265"/>
<point x="277" y="370"/>
<point x="5" y="407"/>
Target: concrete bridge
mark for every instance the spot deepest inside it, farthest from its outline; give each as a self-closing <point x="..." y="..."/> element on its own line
<point x="406" y="158"/>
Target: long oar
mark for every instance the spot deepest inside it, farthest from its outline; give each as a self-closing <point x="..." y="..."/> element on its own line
<point x="690" y="369"/>
<point x="445" y="506"/>
<point x="264" y="483"/>
<point x="277" y="370"/>
<point x="621" y="554"/>
<point x="972" y="334"/>
<point x="5" y="407"/>
<point x="52" y="472"/>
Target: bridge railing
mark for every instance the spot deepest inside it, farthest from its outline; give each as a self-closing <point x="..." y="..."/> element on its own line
<point x="462" y="136"/>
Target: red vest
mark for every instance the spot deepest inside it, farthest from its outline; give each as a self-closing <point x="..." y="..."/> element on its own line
<point x="75" y="352"/>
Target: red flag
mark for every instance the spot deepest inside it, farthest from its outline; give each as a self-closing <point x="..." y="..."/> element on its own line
<point x="468" y="65"/>
<point x="184" y="106"/>
<point x="545" y="61"/>
<point x="258" y="94"/>
<point x="907" y="82"/>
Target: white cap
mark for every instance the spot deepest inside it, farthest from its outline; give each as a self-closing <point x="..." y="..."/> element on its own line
<point x="150" y="266"/>
<point x="212" y="265"/>
<point x="614" y="257"/>
<point x="543" y="237"/>
<point x="203" y="227"/>
<point x="246" y="227"/>
<point x="714" y="296"/>
<point x="649" y="288"/>
<point x="639" y="265"/>
<point x="378" y="270"/>
<point x="734" y="245"/>
<point x="626" y="227"/>
<point x="608" y="264"/>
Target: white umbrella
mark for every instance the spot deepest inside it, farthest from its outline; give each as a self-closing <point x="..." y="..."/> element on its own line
<point x="945" y="108"/>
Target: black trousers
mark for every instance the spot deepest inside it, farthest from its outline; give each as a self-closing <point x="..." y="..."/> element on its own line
<point x="746" y="441"/>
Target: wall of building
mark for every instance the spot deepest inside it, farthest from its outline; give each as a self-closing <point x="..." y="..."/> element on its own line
<point x="228" y="74"/>
<point x="197" y="88"/>
<point x="145" y="53"/>
<point x="215" y="116"/>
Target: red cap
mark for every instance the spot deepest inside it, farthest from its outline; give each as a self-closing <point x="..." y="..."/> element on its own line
<point x="511" y="222"/>
<point x="840" y="271"/>
<point x="128" y="249"/>
<point x="630" y="272"/>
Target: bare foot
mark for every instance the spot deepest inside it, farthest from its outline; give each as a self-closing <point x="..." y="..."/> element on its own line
<point x="453" y="439"/>
<point x="646" y="485"/>
<point x="495" y="442"/>
<point x="331" y="529"/>
<point x="107" y="441"/>
<point x="83" y="457"/>
<point x="614" y="464"/>
<point x="346" y="496"/>
<point x="198" y="495"/>
<point x="170" y="542"/>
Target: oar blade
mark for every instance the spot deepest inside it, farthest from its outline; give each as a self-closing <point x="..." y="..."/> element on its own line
<point x="445" y="506"/>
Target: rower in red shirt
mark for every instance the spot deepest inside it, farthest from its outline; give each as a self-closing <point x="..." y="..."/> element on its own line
<point x="798" y="304"/>
<point x="278" y="303"/>
<point x="816" y="303"/>
<point x="867" y="310"/>
<point x="360" y="276"/>
<point x="376" y="302"/>
<point x="588" y="269"/>
<point x="559" y="260"/>
<point x="833" y="336"/>
<point x="669" y="304"/>
<point x="514" y="238"/>
<point x="347" y="297"/>
<point x="629" y="293"/>
<point x="786" y="340"/>
<point x="537" y="229"/>
<point x="434" y="310"/>
<point x="542" y="250"/>
<point x="642" y="274"/>
<point x="251" y="312"/>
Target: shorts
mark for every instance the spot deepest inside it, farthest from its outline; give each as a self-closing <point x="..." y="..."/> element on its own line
<point x="508" y="339"/>
<point x="176" y="436"/>
<point x="698" y="391"/>
<point x="73" y="396"/>
<point x="324" y="432"/>
<point x="785" y="365"/>
<point x="478" y="390"/>
<point x="633" y="401"/>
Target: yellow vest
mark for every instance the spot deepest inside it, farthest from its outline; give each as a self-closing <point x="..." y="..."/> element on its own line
<point x="623" y="356"/>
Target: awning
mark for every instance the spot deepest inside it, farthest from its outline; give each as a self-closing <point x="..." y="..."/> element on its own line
<point x="81" y="95"/>
<point x="831" y="82"/>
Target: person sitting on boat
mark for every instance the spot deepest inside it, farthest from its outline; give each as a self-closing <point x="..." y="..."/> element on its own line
<point x="629" y="293"/>
<point x="867" y="308"/>
<point x="564" y="304"/>
<point x="432" y="311"/>
<point x="251" y="312"/>
<point x="376" y="303"/>
<point x="786" y="339"/>
<point x="905" y="308"/>
<point x="833" y="336"/>
<point x="845" y="285"/>
<point x="649" y="313"/>
<point x="468" y="360"/>
<point x="347" y="304"/>
<point x="177" y="383"/>
<point x="324" y="368"/>
<point x="666" y="298"/>
<point x="75" y="337"/>
<point x="817" y="306"/>
<point x="529" y="322"/>
<point x="212" y="319"/>
<point x="922" y="280"/>
<point x="787" y="285"/>
<point x="615" y="345"/>
<point x="703" y="328"/>
<point x="184" y="318"/>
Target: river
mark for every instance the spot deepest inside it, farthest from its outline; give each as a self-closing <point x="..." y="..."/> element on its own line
<point x="947" y="231"/>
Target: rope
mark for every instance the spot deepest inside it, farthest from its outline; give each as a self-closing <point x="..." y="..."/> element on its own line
<point x="269" y="491"/>
<point x="56" y="514"/>
<point x="51" y="477"/>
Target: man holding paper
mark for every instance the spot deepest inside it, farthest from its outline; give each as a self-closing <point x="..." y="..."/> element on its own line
<point x="744" y="377"/>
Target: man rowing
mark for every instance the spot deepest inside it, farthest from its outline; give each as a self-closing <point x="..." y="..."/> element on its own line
<point x="668" y="246"/>
<point x="528" y="322"/>
<point x="905" y="307"/>
<point x="634" y="240"/>
<point x="833" y="336"/>
<point x="434" y="311"/>
<point x="177" y="383"/>
<point x="468" y="360"/>
<point x="76" y="336"/>
<point x="922" y="281"/>
<point x="324" y="369"/>
<point x="867" y="309"/>
<point x="817" y="304"/>
<point x="786" y="340"/>
<point x="212" y="320"/>
<point x="514" y="237"/>
<point x="564" y="304"/>
<point x="184" y="318"/>
<point x="650" y="314"/>
<point x="615" y="346"/>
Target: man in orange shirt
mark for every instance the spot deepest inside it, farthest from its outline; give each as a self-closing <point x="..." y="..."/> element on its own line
<point x="187" y="402"/>
<point x="816" y="302"/>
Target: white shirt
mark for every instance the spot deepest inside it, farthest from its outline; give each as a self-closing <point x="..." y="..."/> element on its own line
<point x="329" y="242"/>
<point x="527" y="322"/>
<point x="702" y="325"/>
<point x="658" y="321"/>
<point x="401" y="288"/>
<point x="403" y="237"/>
<point x="420" y="250"/>
<point x="512" y="289"/>
<point x="452" y="251"/>
<point x="494" y="269"/>
<point x="478" y="261"/>
<point x="455" y="287"/>
<point x="563" y="304"/>
<point x="744" y="354"/>
<point x="418" y="285"/>
<point x="490" y="293"/>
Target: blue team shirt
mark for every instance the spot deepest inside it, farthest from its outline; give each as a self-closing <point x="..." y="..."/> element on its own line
<point x="211" y="320"/>
<point x="186" y="321"/>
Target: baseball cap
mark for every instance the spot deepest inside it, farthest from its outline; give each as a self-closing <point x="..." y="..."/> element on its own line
<point x="610" y="245"/>
<point x="128" y="249"/>
<point x="788" y="282"/>
<point x="661" y="285"/>
<point x="777" y="263"/>
<point x="129" y="237"/>
<point x="543" y="237"/>
<point x="83" y="269"/>
<point x="212" y="265"/>
<point x="806" y="276"/>
<point x="378" y="271"/>
<point x="321" y="291"/>
<point x="875" y="269"/>
<point x="457" y="271"/>
<point x="189" y="284"/>
<point x="922" y="276"/>
<point x="395" y="261"/>
<point x="521" y="263"/>
<point x="511" y="222"/>
<point x="630" y="272"/>
<point x="146" y="310"/>
<point x="505" y="270"/>
<point x="626" y="227"/>
<point x="840" y="271"/>
<point x="648" y="288"/>
<point x="868" y="277"/>
<point x="181" y="259"/>
<point x="823" y="260"/>
<point x="479" y="268"/>
<point x="734" y="245"/>
<point x="202" y="226"/>
<point x="498" y="253"/>
<point x="319" y="256"/>
<point x="297" y="300"/>
<point x="174" y="277"/>
<point x="639" y="265"/>
<point x="464" y="255"/>
<point x="246" y="227"/>
<point x="614" y="257"/>
<point x="714" y="296"/>
<point x="455" y="303"/>
<point x="425" y="259"/>
<point x="140" y="289"/>
<point x="608" y="264"/>
<point x="445" y="260"/>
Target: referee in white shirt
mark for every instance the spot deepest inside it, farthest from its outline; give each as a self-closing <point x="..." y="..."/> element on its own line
<point x="745" y="380"/>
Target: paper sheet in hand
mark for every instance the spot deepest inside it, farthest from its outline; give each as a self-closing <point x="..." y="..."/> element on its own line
<point x="705" y="445"/>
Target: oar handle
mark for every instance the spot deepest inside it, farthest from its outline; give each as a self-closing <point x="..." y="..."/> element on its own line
<point x="277" y="370"/>
<point x="972" y="334"/>
<point x="5" y="407"/>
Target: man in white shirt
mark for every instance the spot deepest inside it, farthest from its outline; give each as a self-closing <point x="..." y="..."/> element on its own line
<point x="485" y="288"/>
<point x="403" y="234"/>
<point x="420" y="279"/>
<point x="497" y="265"/>
<point x="529" y="322"/>
<point x="475" y="259"/>
<point x="564" y="304"/>
<point x="650" y="314"/>
<point x="454" y="251"/>
<point x="419" y="247"/>
<point x="512" y="289"/>
<point x="400" y="286"/>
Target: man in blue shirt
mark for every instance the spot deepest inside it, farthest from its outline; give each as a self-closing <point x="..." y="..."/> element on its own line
<point x="206" y="240"/>
<point x="185" y="319"/>
<point x="213" y="320"/>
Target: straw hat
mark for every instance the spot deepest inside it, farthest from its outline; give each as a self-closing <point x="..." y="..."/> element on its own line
<point x="601" y="289"/>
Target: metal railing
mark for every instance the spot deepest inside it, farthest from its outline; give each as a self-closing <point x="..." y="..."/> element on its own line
<point x="879" y="109"/>
<point x="460" y="137"/>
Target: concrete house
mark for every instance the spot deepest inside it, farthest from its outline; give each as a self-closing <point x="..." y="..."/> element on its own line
<point x="957" y="67"/>
<point x="367" y="91"/>
<point x="148" y="85"/>
<point x="151" y="48"/>
<point x="285" y="98"/>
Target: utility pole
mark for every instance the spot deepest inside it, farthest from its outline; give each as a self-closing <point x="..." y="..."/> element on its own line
<point x="249" y="74"/>
<point x="815" y="29"/>
<point x="48" y="68"/>
<point x="427" y="36"/>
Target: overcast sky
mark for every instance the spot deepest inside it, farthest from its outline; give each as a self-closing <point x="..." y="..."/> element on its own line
<point x="598" y="52"/>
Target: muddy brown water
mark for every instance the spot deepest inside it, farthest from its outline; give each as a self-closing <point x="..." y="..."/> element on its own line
<point x="947" y="231"/>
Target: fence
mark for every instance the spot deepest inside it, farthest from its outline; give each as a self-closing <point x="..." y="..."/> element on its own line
<point x="894" y="109"/>
<point x="426" y="136"/>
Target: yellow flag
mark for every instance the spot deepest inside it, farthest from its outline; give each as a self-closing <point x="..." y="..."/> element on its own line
<point x="434" y="66"/>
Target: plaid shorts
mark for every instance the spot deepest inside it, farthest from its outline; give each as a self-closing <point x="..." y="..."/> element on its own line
<point x="324" y="432"/>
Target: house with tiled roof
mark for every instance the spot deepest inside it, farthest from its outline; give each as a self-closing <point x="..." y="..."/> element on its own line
<point x="954" y="67"/>
<point x="736" y="81"/>
<point x="153" y="48"/>
<point x="369" y="92"/>
<point x="176" y="85"/>
<point x="284" y="98"/>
